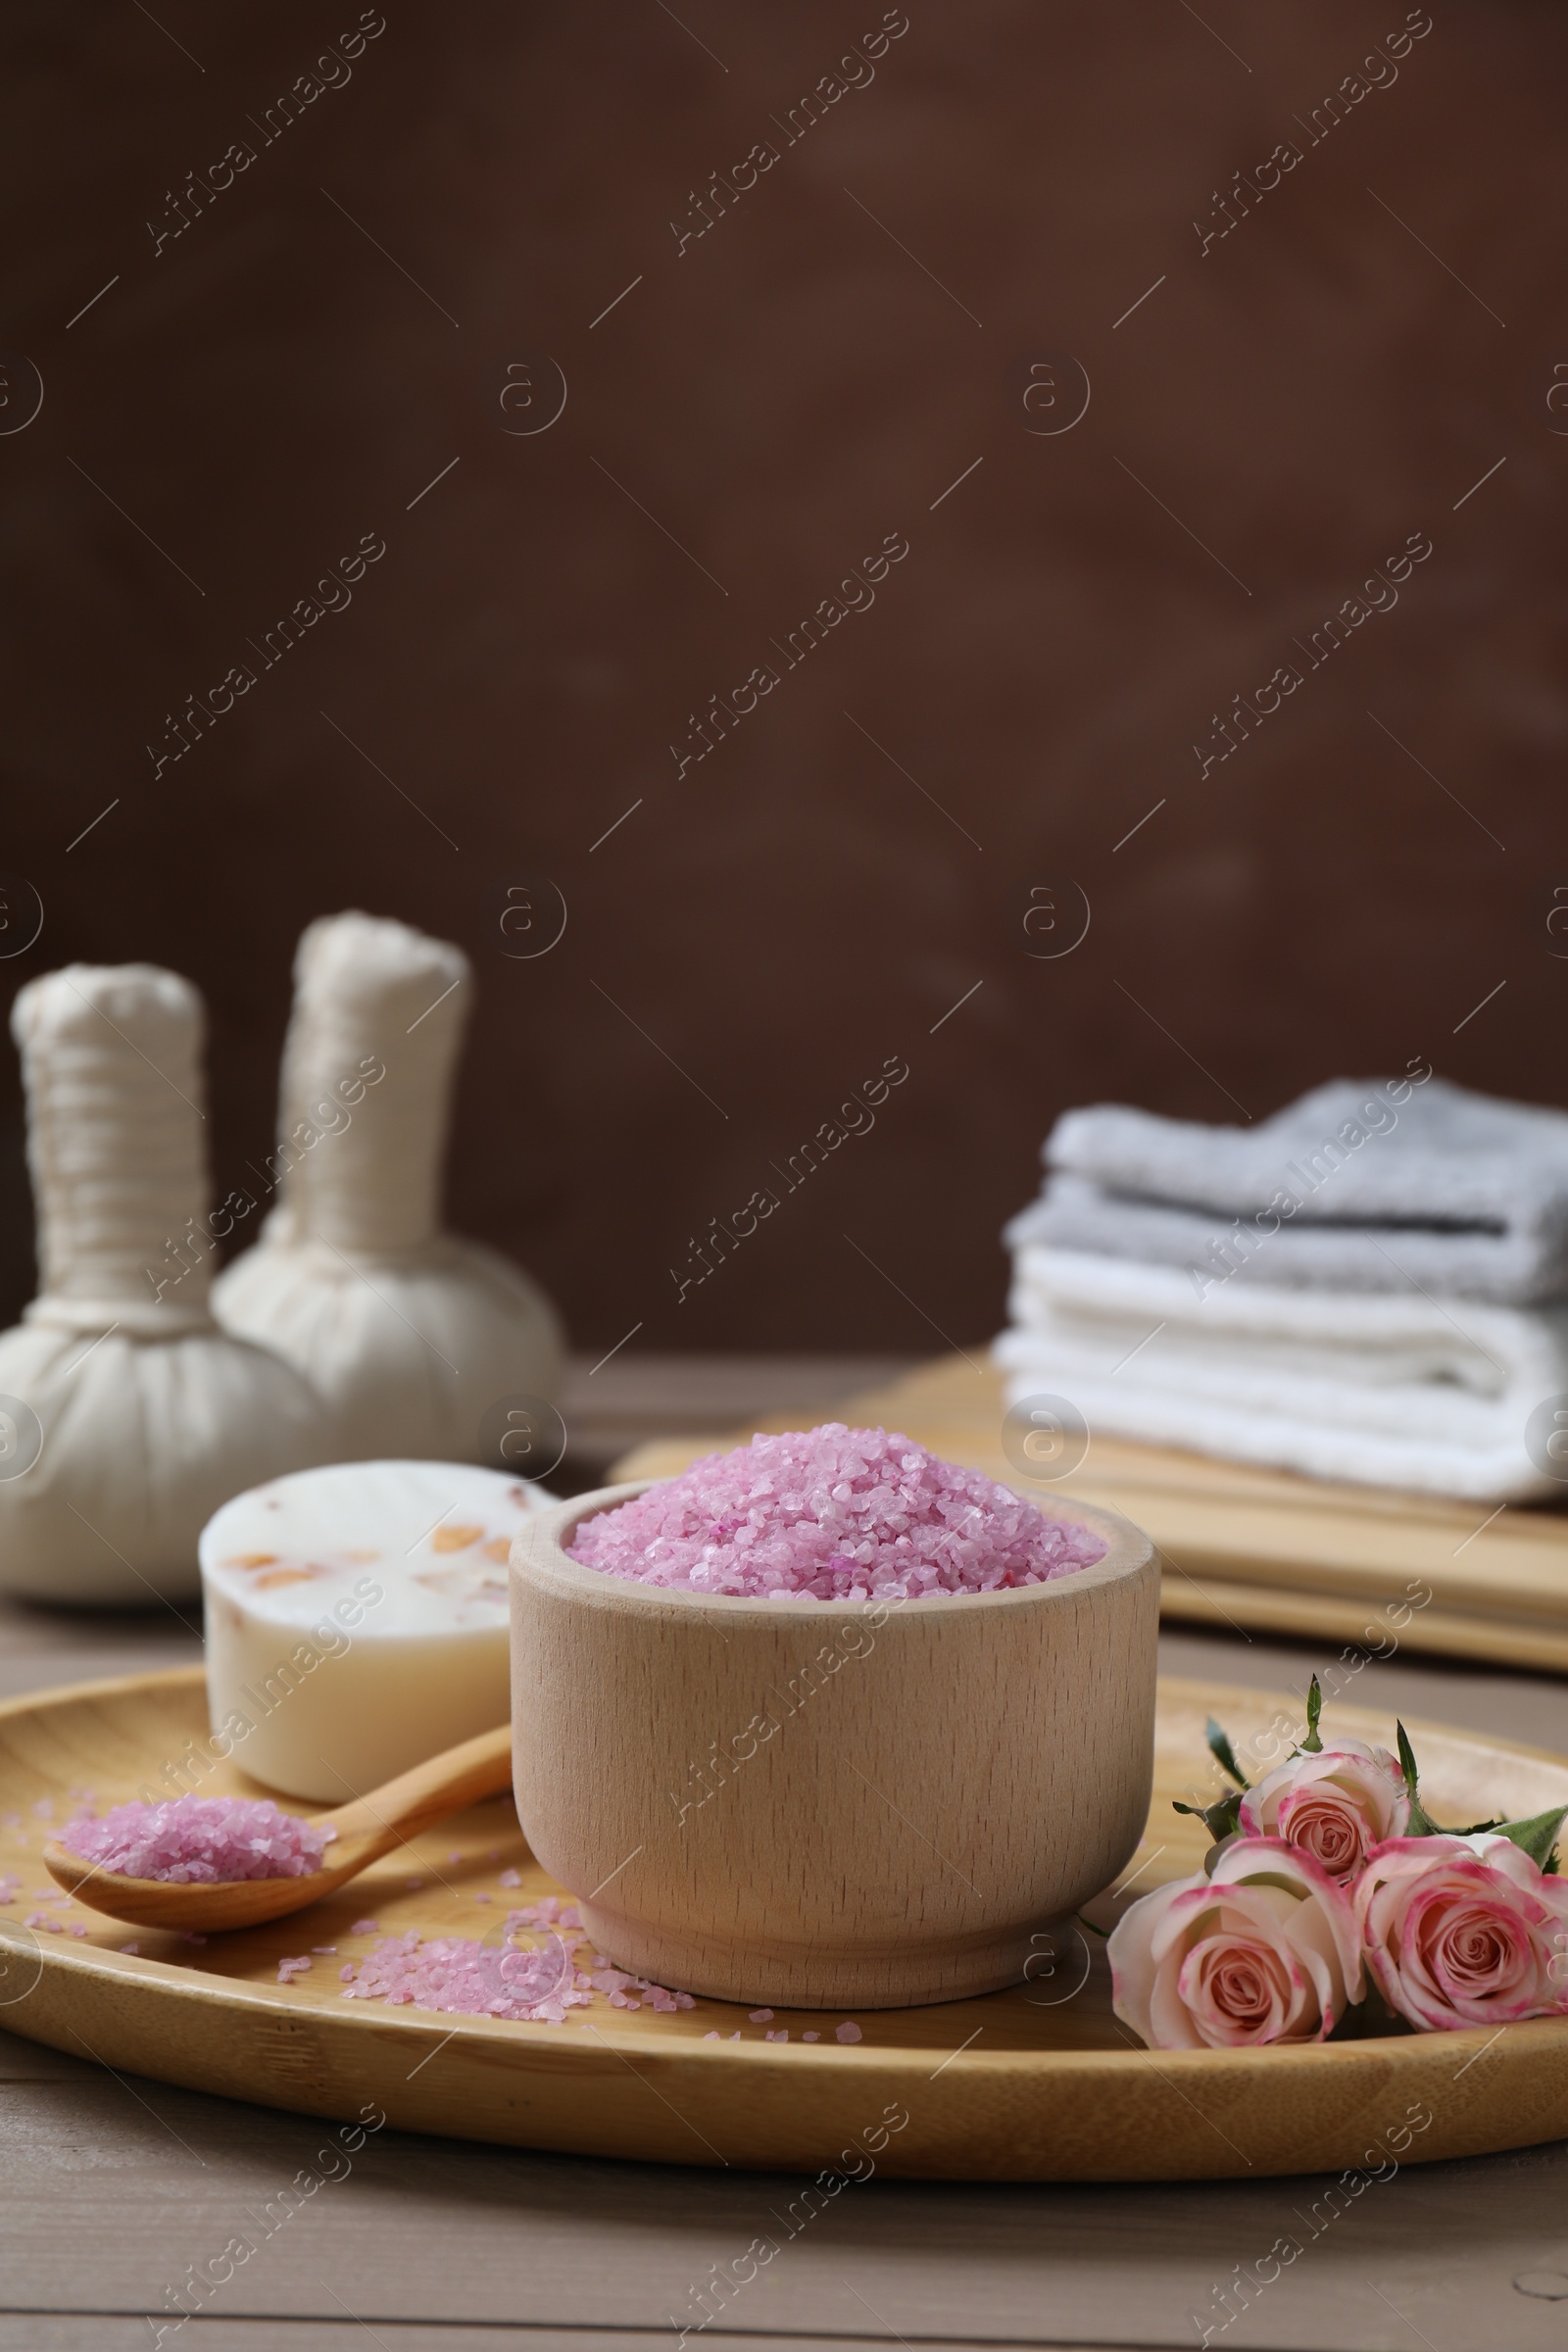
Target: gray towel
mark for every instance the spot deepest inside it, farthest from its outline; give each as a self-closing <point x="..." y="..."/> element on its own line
<point x="1382" y="1185"/>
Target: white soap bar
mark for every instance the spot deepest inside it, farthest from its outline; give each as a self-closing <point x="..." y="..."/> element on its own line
<point x="356" y="1620"/>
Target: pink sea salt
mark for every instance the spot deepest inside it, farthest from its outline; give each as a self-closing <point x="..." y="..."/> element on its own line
<point x="191" y="1839"/>
<point x="456" y="1973"/>
<point x="470" y="1980"/>
<point x="833" y="1514"/>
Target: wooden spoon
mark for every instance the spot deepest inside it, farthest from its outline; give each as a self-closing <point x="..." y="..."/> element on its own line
<point x="368" y="1828"/>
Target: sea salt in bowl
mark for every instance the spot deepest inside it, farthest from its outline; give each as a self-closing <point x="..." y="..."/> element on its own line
<point x="810" y="1802"/>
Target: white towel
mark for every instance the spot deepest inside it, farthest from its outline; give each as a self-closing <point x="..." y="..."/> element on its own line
<point x="1390" y="1392"/>
<point x="1377" y="1186"/>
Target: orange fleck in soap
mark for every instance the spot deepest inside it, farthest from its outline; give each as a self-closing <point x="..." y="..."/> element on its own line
<point x="455" y="1539"/>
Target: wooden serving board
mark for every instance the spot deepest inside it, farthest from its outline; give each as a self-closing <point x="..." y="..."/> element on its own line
<point x="1040" y="2083"/>
<point x="1259" y="1549"/>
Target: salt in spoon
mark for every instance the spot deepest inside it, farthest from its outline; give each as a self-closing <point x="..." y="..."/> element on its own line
<point x="368" y="1828"/>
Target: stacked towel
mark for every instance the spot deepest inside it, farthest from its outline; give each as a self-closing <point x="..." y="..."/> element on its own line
<point x="1370" y="1286"/>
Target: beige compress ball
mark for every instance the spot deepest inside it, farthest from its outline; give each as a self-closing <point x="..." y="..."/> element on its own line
<point x="410" y="1334"/>
<point x="149" y="1415"/>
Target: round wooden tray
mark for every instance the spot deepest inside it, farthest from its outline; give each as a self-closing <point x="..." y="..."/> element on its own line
<point x="1040" y="2083"/>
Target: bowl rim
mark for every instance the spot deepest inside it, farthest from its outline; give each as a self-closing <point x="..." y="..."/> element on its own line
<point x="539" y="1551"/>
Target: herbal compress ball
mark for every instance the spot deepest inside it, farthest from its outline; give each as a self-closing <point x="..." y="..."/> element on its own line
<point x="125" y="1415"/>
<point x="410" y="1334"/>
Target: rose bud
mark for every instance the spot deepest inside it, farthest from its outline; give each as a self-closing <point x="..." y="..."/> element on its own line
<point x="1463" y="1930"/>
<point x="1263" y="1951"/>
<point x="1335" y="1805"/>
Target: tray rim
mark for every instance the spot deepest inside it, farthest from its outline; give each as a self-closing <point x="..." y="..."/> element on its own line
<point x="1392" y="2064"/>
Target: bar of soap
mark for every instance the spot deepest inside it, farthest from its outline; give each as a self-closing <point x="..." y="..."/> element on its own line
<point x="356" y="1620"/>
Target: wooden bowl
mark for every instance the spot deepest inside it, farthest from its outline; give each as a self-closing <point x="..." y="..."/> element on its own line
<point x="825" y="1804"/>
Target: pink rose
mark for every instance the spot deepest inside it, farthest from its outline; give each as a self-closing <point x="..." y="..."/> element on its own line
<point x="1335" y="1806"/>
<point x="1266" y="1950"/>
<point x="1463" y="1930"/>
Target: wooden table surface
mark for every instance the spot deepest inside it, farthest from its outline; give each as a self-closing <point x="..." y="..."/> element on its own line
<point x="110" y="2188"/>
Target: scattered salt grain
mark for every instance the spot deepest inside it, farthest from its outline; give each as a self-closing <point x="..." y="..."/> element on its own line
<point x="847" y="2032"/>
<point x="130" y="1947"/>
<point x="484" y="1898"/>
<point x="811" y="2036"/>
<point x="456" y="1973"/>
<point x="833" y="1514"/>
<point x="759" y="2017"/>
<point x="511" y="1878"/>
<point x="783" y="2034"/>
<point x="288" y="1969"/>
<point x="324" y="1947"/>
<point x="366" y="1927"/>
<point x="470" y="1980"/>
<point x="199" y="1839"/>
<point x="551" y="1912"/>
<point x="75" y="1928"/>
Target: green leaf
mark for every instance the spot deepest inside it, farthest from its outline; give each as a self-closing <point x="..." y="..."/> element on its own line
<point x="1422" y="1824"/>
<point x="1220" y="1818"/>
<point x="1537" y="1836"/>
<point x="1312" y="1745"/>
<point x="1220" y="1748"/>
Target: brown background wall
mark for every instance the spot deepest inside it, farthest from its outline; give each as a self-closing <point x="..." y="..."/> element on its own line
<point x="798" y="382"/>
